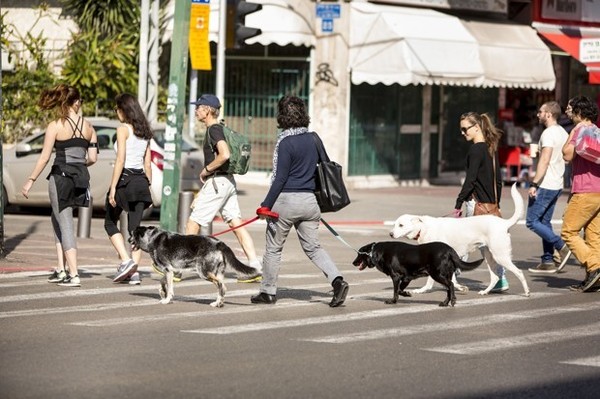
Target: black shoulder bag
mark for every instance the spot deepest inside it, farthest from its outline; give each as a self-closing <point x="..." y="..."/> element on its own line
<point x="330" y="190"/>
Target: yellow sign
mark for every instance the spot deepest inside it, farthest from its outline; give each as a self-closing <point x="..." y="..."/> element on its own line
<point x="198" y="38"/>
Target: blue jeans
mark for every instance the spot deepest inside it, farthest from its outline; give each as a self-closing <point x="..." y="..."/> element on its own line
<point x="539" y="214"/>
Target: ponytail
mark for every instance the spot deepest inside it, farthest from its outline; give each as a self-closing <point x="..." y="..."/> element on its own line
<point x="63" y="96"/>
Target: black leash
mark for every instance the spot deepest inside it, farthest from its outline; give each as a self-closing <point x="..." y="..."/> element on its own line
<point x="336" y="235"/>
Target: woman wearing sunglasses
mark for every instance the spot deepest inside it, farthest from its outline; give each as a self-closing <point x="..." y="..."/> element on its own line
<point x="483" y="180"/>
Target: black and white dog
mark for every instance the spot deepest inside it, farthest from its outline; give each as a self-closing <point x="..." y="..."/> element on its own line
<point x="175" y="252"/>
<point x="404" y="262"/>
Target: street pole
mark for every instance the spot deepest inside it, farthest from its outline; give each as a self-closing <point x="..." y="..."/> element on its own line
<point x="220" y="84"/>
<point x="143" y="64"/>
<point x="175" y="114"/>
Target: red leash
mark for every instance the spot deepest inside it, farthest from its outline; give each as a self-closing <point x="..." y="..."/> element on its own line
<point x="236" y="227"/>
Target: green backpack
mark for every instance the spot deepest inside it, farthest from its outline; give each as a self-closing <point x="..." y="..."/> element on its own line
<point x="239" y="148"/>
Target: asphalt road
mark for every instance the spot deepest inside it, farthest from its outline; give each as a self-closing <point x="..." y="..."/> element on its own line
<point x="115" y="340"/>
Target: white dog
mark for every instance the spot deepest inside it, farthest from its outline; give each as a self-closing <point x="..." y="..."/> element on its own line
<point x="465" y="235"/>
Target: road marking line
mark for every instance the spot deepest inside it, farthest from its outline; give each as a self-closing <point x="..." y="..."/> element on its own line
<point x="585" y="361"/>
<point x="136" y="288"/>
<point x="479" y="321"/>
<point x="178" y="298"/>
<point x="243" y="328"/>
<point x="498" y="344"/>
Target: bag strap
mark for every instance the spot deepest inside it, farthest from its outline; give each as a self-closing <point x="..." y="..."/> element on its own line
<point x="494" y="179"/>
<point x="323" y="157"/>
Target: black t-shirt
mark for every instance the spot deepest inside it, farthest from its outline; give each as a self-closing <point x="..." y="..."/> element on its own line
<point x="480" y="180"/>
<point x="214" y="134"/>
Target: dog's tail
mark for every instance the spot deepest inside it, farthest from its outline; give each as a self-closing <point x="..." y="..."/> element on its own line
<point x="462" y="265"/>
<point x="519" y="206"/>
<point x="232" y="261"/>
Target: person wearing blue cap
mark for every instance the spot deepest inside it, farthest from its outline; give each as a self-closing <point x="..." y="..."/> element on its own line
<point x="219" y="192"/>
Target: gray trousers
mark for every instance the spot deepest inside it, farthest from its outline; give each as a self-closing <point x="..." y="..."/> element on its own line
<point x="62" y="222"/>
<point x="299" y="210"/>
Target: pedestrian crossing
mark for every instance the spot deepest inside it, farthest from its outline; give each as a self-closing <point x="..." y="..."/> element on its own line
<point x="308" y="320"/>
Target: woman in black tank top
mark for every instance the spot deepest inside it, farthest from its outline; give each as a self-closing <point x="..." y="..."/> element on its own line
<point x="76" y="147"/>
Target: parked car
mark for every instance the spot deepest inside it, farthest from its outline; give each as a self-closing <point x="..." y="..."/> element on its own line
<point x="19" y="160"/>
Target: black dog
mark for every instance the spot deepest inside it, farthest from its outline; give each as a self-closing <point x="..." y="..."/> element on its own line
<point x="175" y="252"/>
<point x="405" y="262"/>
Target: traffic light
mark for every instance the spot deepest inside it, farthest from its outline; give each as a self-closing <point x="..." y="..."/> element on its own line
<point x="241" y="31"/>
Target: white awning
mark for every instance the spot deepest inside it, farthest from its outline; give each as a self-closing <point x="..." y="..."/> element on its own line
<point x="512" y="56"/>
<point x="390" y="44"/>
<point x="283" y="22"/>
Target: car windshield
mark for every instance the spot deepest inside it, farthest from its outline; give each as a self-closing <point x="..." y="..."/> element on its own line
<point x="159" y="137"/>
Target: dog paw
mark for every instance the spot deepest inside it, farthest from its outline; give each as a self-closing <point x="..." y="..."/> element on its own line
<point x="217" y="304"/>
<point x="527" y="294"/>
<point x="483" y="292"/>
<point x="405" y="293"/>
<point x="165" y="301"/>
<point x="390" y="302"/>
<point x="461" y="288"/>
<point x="418" y="291"/>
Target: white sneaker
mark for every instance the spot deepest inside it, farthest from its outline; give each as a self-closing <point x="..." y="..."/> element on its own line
<point x="543" y="268"/>
<point x="125" y="270"/>
<point x="565" y="254"/>
<point x="73" y="281"/>
<point x="135" y="279"/>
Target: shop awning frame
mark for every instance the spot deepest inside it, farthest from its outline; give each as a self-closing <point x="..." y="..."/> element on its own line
<point x="392" y="44"/>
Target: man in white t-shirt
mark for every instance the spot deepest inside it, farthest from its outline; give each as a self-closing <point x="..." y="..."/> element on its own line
<point x="546" y="188"/>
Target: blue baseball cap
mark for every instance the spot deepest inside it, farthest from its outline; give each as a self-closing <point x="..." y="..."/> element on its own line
<point x="208" y="99"/>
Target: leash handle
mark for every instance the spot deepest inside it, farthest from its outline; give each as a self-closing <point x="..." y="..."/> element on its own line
<point x="254" y="219"/>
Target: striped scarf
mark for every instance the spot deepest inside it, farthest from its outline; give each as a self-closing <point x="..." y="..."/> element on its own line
<point x="280" y="136"/>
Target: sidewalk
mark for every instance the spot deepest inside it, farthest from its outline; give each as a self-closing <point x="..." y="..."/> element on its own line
<point x="29" y="243"/>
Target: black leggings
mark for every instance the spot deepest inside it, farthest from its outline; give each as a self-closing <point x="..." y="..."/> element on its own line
<point x="134" y="217"/>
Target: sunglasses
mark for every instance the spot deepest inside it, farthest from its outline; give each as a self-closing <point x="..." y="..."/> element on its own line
<point x="465" y="129"/>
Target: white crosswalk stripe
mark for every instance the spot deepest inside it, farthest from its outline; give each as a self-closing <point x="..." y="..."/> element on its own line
<point x="92" y="313"/>
<point x="457" y="324"/>
<point x="353" y="316"/>
<point x="593" y="361"/>
<point x="506" y="343"/>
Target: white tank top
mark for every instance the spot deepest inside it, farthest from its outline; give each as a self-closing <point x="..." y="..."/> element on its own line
<point x="135" y="149"/>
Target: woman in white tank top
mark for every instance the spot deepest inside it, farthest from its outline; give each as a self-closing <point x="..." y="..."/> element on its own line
<point x="130" y="184"/>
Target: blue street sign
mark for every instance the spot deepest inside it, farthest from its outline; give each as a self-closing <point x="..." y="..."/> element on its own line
<point x="327" y="25"/>
<point x="328" y="11"/>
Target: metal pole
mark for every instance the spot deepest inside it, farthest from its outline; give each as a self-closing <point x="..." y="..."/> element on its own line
<point x="153" y="70"/>
<point x="175" y="113"/>
<point x="84" y="220"/>
<point x="220" y="83"/>
<point x="192" y="107"/>
<point x="185" y="201"/>
<point x="143" y="65"/>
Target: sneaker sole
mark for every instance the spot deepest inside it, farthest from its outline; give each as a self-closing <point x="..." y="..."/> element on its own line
<point x="563" y="263"/>
<point x="589" y="286"/>
<point x="125" y="273"/>
<point x="539" y="271"/>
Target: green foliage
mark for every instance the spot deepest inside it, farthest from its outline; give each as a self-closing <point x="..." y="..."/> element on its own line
<point x="107" y="18"/>
<point x="102" y="60"/>
<point x="101" y="68"/>
<point x="22" y="87"/>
